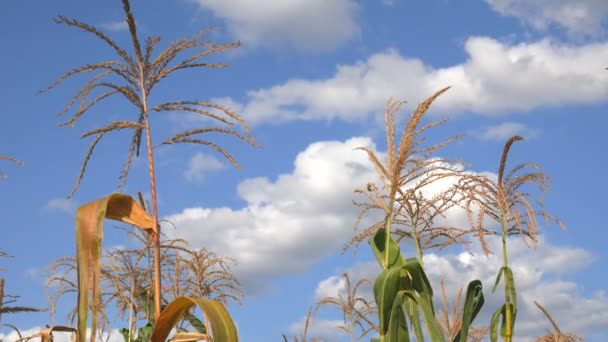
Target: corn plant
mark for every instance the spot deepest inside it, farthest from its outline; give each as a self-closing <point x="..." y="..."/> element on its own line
<point x="450" y="319"/>
<point x="133" y="77"/>
<point x="409" y="169"/>
<point x="402" y="291"/>
<point x="356" y="309"/>
<point x="303" y="337"/>
<point x="508" y="202"/>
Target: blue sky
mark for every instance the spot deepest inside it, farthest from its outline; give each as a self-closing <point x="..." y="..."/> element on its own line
<point x="312" y="78"/>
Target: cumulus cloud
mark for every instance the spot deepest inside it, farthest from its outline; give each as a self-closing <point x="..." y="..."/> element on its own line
<point x="289" y="223"/>
<point x="544" y="280"/>
<point x="317" y="328"/>
<point x="581" y="17"/>
<point x="64" y="205"/>
<point x="495" y="79"/>
<point x="505" y="130"/>
<point x="300" y="24"/>
<point x="200" y="164"/>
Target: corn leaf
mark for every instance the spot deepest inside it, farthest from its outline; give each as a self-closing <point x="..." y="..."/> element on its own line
<point x="510" y="281"/>
<point x="472" y="305"/>
<point x="397" y="327"/>
<point x="378" y="245"/>
<point x="218" y="320"/>
<point x="500" y="272"/>
<point x="89" y="236"/>
<point x="432" y="326"/>
<point x="386" y="287"/>
<point x="414" y="317"/>
<point x="501" y="312"/>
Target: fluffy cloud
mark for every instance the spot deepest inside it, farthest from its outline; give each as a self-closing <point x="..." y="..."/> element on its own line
<point x="317" y="328"/>
<point x="542" y="280"/>
<point x="289" y="223"/>
<point x="64" y="205"/>
<point x="200" y="164"/>
<point x="505" y="130"/>
<point x="496" y="78"/>
<point x="300" y="24"/>
<point x="581" y="17"/>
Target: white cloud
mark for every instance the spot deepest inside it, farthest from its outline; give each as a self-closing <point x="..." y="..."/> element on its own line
<point x="64" y="205"/>
<point x="336" y="284"/>
<point x="115" y="26"/>
<point x="581" y="17"/>
<point x="299" y="24"/>
<point x="289" y="223"/>
<point x="200" y="164"/>
<point x="317" y="328"/>
<point x="539" y="276"/>
<point x="505" y="130"/>
<point x="495" y="79"/>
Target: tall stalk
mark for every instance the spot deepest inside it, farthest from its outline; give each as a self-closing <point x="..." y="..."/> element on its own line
<point x="508" y="306"/>
<point x="515" y="211"/>
<point x="133" y="77"/>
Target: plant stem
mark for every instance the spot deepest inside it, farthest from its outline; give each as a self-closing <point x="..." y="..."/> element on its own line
<point x="156" y="235"/>
<point x="389" y="221"/>
<point x="508" y="313"/>
<point x="416" y="240"/>
<point x="351" y="328"/>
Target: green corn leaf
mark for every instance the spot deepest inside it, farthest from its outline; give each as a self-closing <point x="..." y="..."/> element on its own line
<point x="143" y="333"/>
<point x="386" y="288"/>
<point x="501" y="312"/>
<point x="494" y="323"/>
<point x="472" y="305"/>
<point x="220" y="322"/>
<point x="378" y="242"/>
<point x="500" y="272"/>
<point x="196" y="323"/>
<point x="414" y="317"/>
<point x="510" y="281"/>
<point x="431" y="323"/>
<point x="420" y="281"/>
<point x="397" y="327"/>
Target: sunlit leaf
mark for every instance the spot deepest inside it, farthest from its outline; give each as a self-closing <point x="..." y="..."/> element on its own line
<point x="89" y="236"/>
<point x="218" y="320"/>
<point x="378" y="245"/>
<point x="386" y="287"/>
<point x="501" y="312"/>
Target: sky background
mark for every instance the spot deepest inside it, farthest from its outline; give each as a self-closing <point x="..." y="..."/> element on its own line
<point x="312" y="78"/>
